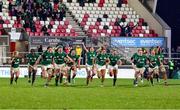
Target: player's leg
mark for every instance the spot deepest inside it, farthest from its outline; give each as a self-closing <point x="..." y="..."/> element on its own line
<point x="115" y="71"/>
<point x="44" y="72"/>
<point x="12" y="76"/>
<point x="50" y="75"/>
<point x="164" y="73"/>
<point x="94" y="71"/>
<point x="156" y="72"/>
<point x="62" y="73"/>
<point x="142" y="71"/>
<point x="150" y="75"/>
<point x="103" y="72"/>
<point x="136" y="75"/>
<point x="17" y="73"/>
<point x="34" y="75"/>
<point x="57" y="75"/>
<point x="110" y="71"/>
<point x="99" y="71"/>
<point x="88" y="70"/>
<point x="68" y="75"/>
<point x="74" y="70"/>
<point x="157" y="75"/>
<point x="29" y="73"/>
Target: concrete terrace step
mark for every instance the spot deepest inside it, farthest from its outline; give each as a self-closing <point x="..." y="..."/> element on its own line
<point x="75" y="25"/>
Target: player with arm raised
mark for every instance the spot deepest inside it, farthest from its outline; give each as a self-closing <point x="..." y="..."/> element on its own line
<point x="90" y="63"/>
<point x="32" y="58"/>
<point x="161" y="63"/>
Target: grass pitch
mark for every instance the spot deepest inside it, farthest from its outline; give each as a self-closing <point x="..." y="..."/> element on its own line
<point x="79" y="96"/>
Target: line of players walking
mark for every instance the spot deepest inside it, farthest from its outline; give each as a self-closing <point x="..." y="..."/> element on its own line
<point x="59" y="63"/>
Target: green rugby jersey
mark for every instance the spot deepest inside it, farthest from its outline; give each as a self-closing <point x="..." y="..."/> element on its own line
<point x="32" y="58"/>
<point x="90" y="57"/>
<point x="141" y="61"/>
<point x="101" y="59"/>
<point x="134" y="57"/>
<point x="59" y="57"/>
<point x="47" y="58"/>
<point x="75" y="58"/>
<point x="153" y="60"/>
<point x="16" y="62"/>
<point x="161" y="58"/>
<point x="114" y="59"/>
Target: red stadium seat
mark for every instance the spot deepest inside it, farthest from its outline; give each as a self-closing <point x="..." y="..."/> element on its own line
<point x="60" y="27"/>
<point x="72" y="31"/>
<point x="111" y="23"/>
<point x="97" y="23"/>
<point x="49" y="30"/>
<point x="57" y="34"/>
<point x="52" y="22"/>
<point x="38" y="30"/>
<point x="66" y="22"/>
<point x="61" y="34"/>
<point x="51" y="34"/>
<point x="1" y="26"/>
<point x="58" y="31"/>
<point x="86" y="15"/>
<point x="83" y="23"/>
<point x="36" y="33"/>
<point x="31" y="34"/>
<point x="41" y="34"/>
<point x="19" y="25"/>
<point x="7" y="22"/>
<point x="28" y="30"/>
<point x="37" y="22"/>
<point x="15" y="25"/>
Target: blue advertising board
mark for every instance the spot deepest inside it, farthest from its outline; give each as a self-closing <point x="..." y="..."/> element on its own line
<point x="137" y="42"/>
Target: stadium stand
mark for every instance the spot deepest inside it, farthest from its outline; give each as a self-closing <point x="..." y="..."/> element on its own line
<point x="37" y="19"/>
<point x="104" y="18"/>
<point x="107" y="19"/>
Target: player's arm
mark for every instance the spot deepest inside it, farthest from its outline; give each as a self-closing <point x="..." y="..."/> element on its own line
<point x="53" y="61"/>
<point x="69" y="58"/>
<point x="132" y="59"/>
<point x="119" y="62"/>
<point x="132" y="62"/>
<point x="85" y="47"/>
<point x="12" y="60"/>
<point x="96" y="58"/>
<point x="98" y="50"/>
<point x="38" y="60"/>
<point x="27" y="58"/>
<point x="108" y="59"/>
<point x="148" y="61"/>
<point x="161" y="62"/>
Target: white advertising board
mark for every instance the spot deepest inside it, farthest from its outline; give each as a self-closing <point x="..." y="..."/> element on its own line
<point x="122" y="73"/>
